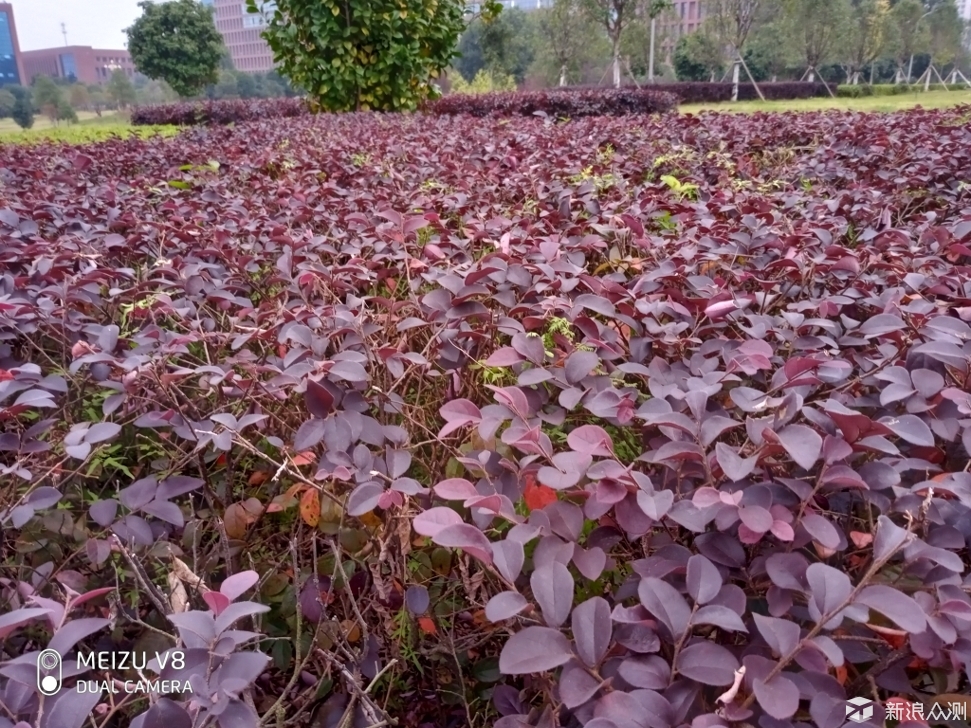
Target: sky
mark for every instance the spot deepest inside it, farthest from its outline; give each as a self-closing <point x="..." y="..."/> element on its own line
<point x="97" y="23"/>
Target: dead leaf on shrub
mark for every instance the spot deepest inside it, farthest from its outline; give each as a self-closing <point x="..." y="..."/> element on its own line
<point x="310" y="507"/>
<point x="240" y="516"/>
<point x="427" y="625"/>
<point x="258" y="477"/>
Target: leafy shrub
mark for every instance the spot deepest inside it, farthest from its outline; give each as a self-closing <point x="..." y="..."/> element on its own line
<point x="699" y="92"/>
<point x="579" y="419"/>
<point x="560" y="103"/>
<point x="484" y="82"/>
<point x="222" y="111"/>
<point x="890" y="89"/>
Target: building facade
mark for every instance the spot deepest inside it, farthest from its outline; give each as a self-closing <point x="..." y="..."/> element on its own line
<point x="11" y="68"/>
<point x="80" y="63"/>
<point x="241" y="34"/>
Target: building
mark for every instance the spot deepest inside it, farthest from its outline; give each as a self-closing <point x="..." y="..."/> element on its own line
<point x="964" y="9"/>
<point x="685" y="17"/>
<point x="79" y="63"/>
<point x="11" y="68"/>
<point x="241" y="34"/>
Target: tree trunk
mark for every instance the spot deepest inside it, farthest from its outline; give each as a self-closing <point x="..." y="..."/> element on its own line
<point x="616" y="64"/>
<point x="910" y="68"/>
<point x="563" y="75"/>
<point x="871" y="73"/>
<point x="775" y="77"/>
<point x="927" y="81"/>
<point x="812" y="75"/>
<point x="650" y="58"/>
<point x="735" y="69"/>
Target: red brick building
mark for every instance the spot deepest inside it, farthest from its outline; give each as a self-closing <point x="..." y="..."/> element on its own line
<point x="11" y="70"/>
<point x="82" y="63"/>
<point x="241" y="33"/>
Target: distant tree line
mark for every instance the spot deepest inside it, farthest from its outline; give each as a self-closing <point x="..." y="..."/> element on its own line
<point x="843" y="41"/>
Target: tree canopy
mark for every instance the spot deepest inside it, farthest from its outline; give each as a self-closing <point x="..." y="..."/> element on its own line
<point x="177" y="42"/>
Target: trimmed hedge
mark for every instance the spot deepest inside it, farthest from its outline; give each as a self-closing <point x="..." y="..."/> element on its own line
<point x="700" y="92"/>
<point x="559" y="102"/>
<point x="892" y="89"/>
<point x="223" y="111"/>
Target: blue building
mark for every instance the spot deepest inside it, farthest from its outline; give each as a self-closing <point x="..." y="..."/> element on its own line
<point x="11" y="70"/>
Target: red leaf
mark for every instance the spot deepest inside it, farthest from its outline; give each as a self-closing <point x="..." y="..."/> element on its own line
<point x="535" y="495"/>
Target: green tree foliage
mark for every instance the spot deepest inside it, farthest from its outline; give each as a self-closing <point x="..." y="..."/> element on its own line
<point x="178" y="42"/>
<point x="23" y="109"/>
<point x="566" y="42"/>
<point x="698" y="57"/>
<point x="816" y="28"/>
<point x="508" y="44"/>
<point x="7" y="101"/>
<point x="363" y="54"/>
<point x="48" y="97"/>
<point x="65" y="112"/>
<point x="771" y="50"/>
<point x="120" y="89"/>
<point x="867" y="36"/>
<point x="614" y="16"/>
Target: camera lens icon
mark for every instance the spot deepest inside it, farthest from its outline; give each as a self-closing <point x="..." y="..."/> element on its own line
<point x="49" y="672"/>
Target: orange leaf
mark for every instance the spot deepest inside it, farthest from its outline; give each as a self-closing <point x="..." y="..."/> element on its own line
<point x="258" y="477"/>
<point x="860" y="539"/>
<point x="894" y="637"/>
<point x="427" y="625"/>
<point x="305" y="458"/>
<point x="841" y="674"/>
<point x="537" y="495"/>
<point x="310" y="508"/>
<point x="221" y="460"/>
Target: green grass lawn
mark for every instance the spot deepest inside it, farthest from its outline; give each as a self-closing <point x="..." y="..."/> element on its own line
<point x="90" y="128"/>
<point x="929" y="100"/>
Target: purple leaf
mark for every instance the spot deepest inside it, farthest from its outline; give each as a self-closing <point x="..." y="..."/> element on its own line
<point x="782" y="635"/>
<point x="592" y="629"/>
<point x="704" y="580"/>
<point x="779" y="697"/>
<point x="591" y="440"/>
<point x="534" y="649"/>
<point x="735" y="467"/>
<point x="894" y="605"/>
<point x="320" y="402"/>
<point x="505" y="605"/>
<point x="590" y="562"/>
<point x="889" y="538"/>
<point x="707" y="663"/>
<point x="417" y="599"/>
<point x="655" y="506"/>
<point x="235" y="585"/>
<point x="645" y="671"/>
<point x="431" y="522"/>
<point x="828" y="588"/>
<point x="508" y="556"/>
<point x="666" y="603"/>
<point x="821" y="530"/>
<point x="803" y="444"/>
<point x="69" y="709"/>
<point x="579" y="365"/>
<point x="576" y="685"/>
<point x="349" y="371"/>
<point x="309" y="434"/>
<point x="103" y="512"/>
<point x="756" y="518"/>
<point x="364" y="498"/>
<point x="100" y="432"/>
<point x="70" y="634"/>
<point x="11" y="620"/>
<point x="552" y="586"/>
<point x="720" y="616"/>
<point x="165" y="713"/>
<point x="138" y="493"/>
<point x="910" y="428"/>
<point x="467" y="537"/>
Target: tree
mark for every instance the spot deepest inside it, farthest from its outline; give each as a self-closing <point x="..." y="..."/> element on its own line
<point x="698" y="56"/>
<point x="945" y="31"/>
<point x="770" y="51"/>
<point x="97" y="98"/>
<point x="732" y="22"/>
<point x="816" y="26"/>
<point x="65" y="112"/>
<point x="566" y="39"/>
<point x="177" y="42"/>
<point x="508" y="44"/>
<point x="867" y="36"/>
<point x="247" y="86"/>
<point x="48" y="97"/>
<point x="364" y="54"/>
<point x="614" y="16"/>
<point x="120" y="89"/>
<point x="7" y="101"/>
<point x="79" y="96"/>
<point x="23" y="109"/>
